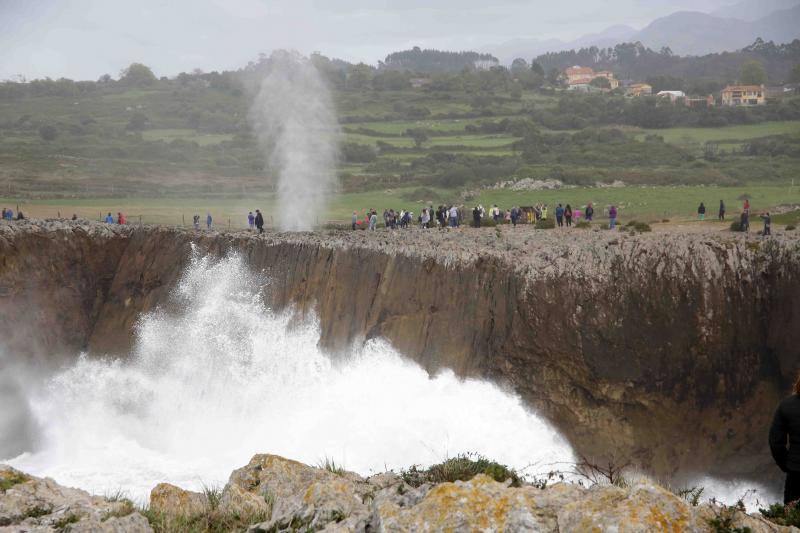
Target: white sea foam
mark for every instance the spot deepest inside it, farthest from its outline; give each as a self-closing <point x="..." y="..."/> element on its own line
<point x="224" y="378"/>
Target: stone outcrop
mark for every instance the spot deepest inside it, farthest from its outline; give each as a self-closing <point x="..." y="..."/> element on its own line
<point x="31" y="504"/>
<point x="296" y="497"/>
<point x="670" y="349"/>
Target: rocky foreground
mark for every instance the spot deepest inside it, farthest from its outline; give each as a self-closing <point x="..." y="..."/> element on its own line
<point x="273" y="494"/>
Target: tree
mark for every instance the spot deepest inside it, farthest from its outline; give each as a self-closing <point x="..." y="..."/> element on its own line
<point x="518" y="66"/>
<point x="600" y="82"/>
<point x="137" y="75"/>
<point x="794" y="75"/>
<point x="138" y="122"/>
<point x="48" y="132"/>
<point x="419" y="135"/>
<point x="752" y="73"/>
<point x="536" y="68"/>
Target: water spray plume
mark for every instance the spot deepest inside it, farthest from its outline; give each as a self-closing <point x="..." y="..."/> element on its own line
<point x="294" y="118"/>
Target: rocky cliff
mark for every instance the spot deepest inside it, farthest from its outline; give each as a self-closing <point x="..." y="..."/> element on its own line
<point x="668" y="349"/>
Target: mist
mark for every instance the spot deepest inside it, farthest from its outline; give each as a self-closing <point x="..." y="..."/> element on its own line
<point x="294" y="118"/>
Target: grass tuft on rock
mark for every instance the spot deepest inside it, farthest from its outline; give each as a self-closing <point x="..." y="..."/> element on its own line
<point x="460" y="468"/>
<point x="331" y="466"/>
<point x="583" y="225"/>
<point x="10" y="478"/>
<point x="546" y="223"/>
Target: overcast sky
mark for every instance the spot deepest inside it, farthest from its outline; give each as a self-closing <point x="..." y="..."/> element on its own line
<point x="83" y="39"/>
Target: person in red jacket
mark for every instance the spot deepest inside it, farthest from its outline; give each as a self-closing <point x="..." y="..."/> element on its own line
<point x="121" y="219"/>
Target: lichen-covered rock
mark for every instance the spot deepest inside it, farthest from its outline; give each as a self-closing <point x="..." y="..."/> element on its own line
<point x="301" y="496"/>
<point x="171" y="500"/>
<point x="30" y="504"/>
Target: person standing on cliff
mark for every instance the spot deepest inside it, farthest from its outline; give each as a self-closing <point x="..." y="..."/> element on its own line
<point x="589" y="212"/>
<point x="612" y="217"/>
<point x="767" y="224"/>
<point x="560" y="216"/>
<point x="721" y="215"/>
<point x="701" y="211"/>
<point x="373" y="220"/>
<point x="251" y="220"/>
<point x="259" y="221"/>
<point x="786" y="427"/>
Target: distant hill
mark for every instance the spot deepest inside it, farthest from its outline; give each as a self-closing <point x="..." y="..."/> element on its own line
<point x="528" y="48"/>
<point x="694" y="33"/>
<point x="685" y="32"/>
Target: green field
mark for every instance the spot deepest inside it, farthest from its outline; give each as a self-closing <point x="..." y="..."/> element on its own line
<point x="678" y="204"/>
<point x="726" y="133"/>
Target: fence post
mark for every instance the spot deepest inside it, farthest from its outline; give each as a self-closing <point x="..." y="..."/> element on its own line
<point x="140" y="221"/>
<point x="229" y="223"/>
<point x="183" y="219"/>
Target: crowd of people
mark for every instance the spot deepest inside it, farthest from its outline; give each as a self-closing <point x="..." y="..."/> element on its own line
<point x="744" y="217"/>
<point x="454" y="216"/>
<point x="8" y="214"/>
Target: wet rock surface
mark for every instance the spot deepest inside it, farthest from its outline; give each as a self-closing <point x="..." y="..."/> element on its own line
<point x="670" y="349"/>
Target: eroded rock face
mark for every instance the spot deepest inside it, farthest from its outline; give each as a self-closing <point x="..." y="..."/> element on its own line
<point x="35" y="504"/>
<point x="668" y="349"/>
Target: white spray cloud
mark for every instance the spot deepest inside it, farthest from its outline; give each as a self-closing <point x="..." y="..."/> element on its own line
<point x="294" y="118"/>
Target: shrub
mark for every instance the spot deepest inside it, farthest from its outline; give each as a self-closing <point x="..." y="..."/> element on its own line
<point x="791" y="227"/>
<point x="783" y="515"/>
<point x="461" y="468"/>
<point x="641" y="227"/>
<point x="583" y="225"/>
<point x="10" y="479"/>
<point x="546" y="223"/>
<point x="736" y="225"/>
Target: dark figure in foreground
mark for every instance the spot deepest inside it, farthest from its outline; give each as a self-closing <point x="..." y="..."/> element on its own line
<point x="786" y="426"/>
<point x="259" y="221"/>
<point x="721" y="210"/>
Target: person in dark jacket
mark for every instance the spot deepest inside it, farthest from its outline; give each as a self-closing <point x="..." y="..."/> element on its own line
<point x="560" y="216"/>
<point x="259" y="221"/>
<point x="701" y="211"/>
<point x="786" y="426"/>
<point x="721" y="215"/>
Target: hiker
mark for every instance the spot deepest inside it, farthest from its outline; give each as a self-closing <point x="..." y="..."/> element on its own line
<point x="560" y="216"/>
<point x="612" y="217"/>
<point x="589" y="212"/>
<point x="453" y="213"/>
<point x="767" y="222"/>
<point x="196" y="221"/>
<point x="701" y="211"/>
<point x="109" y="219"/>
<point x="495" y="213"/>
<point x="476" y="217"/>
<point x="744" y="222"/>
<point x="121" y="219"/>
<point x="514" y="216"/>
<point x="544" y="212"/>
<point x="259" y="221"/>
<point x="746" y="206"/>
<point x="373" y="220"/>
<point x="354" y="221"/>
<point x="4" y="214"/>
<point x="20" y="216"/>
<point x="425" y="219"/>
<point x="721" y="215"/>
<point x="208" y="220"/>
<point x="9" y="214"/>
<point x="786" y="426"/>
<point x="251" y="220"/>
<point x="568" y="215"/>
